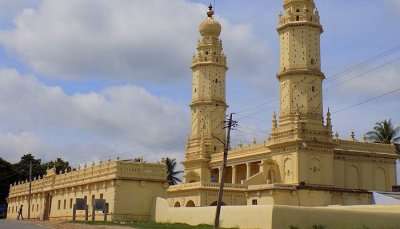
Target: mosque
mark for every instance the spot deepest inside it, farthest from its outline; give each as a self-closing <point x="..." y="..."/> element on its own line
<point x="301" y="163"/>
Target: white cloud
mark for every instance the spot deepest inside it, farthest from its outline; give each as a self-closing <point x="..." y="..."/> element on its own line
<point x="125" y="120"/>
<point x="122" y="39"/>
<point x="14" y="145"/>
<point x="10" y="8"/>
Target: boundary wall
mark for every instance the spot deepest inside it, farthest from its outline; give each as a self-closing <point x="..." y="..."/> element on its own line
<point x="283" y="217"/>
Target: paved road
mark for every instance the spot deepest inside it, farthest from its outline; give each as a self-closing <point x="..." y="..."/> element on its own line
<point x="8" y="224"/>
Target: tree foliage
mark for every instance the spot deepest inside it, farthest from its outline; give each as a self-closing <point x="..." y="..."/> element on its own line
<point x="172" y="173"/>
<point x="59" y="164"/>
<point x="386" y="133"/>
<point x="11" y="173"/>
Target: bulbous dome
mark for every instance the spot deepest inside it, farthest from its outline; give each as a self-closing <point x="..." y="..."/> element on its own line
<point x="210" y="26"/>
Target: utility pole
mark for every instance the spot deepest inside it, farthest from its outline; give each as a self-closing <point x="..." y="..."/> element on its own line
<point x="230" y="124"/>
<point x="30" y="189"/>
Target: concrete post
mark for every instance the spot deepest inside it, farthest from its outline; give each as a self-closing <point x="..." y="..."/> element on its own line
<point x="86" y="213"/>
<point x="220" y="175"/>
<point x="93" y="213"/>
<point x="74" y="213"/>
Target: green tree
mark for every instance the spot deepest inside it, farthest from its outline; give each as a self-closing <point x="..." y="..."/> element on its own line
<point x="8" y="175"/>
<point x="59" y="164"/>
<point x="172" y="173"/>
<point x="22" y="167"/>
<point x="386" y="133"/>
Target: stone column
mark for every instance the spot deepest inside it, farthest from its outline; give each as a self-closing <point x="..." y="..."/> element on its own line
<point x="248" y="170"/>
<point x="234" y="174"/>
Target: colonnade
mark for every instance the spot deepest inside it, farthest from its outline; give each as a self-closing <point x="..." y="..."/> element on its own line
<point x="237" y="173"/>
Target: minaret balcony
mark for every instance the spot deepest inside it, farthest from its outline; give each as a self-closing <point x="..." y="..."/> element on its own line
<point x="299" y="18"/>
<point x="218" y="61"/>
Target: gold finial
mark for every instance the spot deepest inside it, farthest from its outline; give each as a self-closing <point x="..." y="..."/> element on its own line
<point x="210" y="12"/>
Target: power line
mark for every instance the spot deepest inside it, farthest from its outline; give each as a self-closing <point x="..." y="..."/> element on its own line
<point x="365" y="72"/>
<point x="343" y="73"/>
<point x="366" y="101"/>
<point x="351" y="67"/>
<point x="329" y="86"/>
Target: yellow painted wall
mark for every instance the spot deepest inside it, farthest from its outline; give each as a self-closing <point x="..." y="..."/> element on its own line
<point x="282" y="217"/>
<point x="128" y="187"/>
<point x="205" y="197"/>
<point x="134" y="199"/>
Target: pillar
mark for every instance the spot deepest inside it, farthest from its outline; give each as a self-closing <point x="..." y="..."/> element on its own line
<point x="248" y="170"/>
<point x="234" y="174"/>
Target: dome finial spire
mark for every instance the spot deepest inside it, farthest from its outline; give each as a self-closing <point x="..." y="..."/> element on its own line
<point x="210" y="12"/>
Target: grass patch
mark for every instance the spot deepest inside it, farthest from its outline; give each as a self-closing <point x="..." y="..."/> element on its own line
<point x="150" y="225"/>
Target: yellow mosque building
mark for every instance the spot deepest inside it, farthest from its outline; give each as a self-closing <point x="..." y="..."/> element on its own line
<point x="301" y="163"/>
<point x="299" y="170"/>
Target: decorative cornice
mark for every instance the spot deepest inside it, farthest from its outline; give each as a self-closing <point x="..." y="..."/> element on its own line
<point x="300" y="72"/>
<point x="299" y="24"/>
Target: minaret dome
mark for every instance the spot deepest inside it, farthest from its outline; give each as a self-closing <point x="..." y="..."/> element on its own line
<point x="210" y="26"/>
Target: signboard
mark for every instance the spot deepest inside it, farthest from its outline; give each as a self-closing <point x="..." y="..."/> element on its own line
<point x="99" y="204"/>
<point x="80" y="204"/>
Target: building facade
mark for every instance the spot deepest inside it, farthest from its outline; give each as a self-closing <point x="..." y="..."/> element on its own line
<point x="301" y="162"/>
<point x="129" y="188"/>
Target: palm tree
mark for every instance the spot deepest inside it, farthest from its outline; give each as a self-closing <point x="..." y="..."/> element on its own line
<point x="172" y="174"/>
<point x="384" y="132"/>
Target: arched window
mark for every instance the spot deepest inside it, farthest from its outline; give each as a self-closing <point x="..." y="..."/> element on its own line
<point x="177" y="205"/>
<point x="190" y="204"/>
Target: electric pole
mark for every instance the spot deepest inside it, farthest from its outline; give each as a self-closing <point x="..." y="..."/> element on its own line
<point x="30" y="189"/>
<point x="230" y="124"/>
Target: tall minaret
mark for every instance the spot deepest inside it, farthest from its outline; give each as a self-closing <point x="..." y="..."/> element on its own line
<point x="301" y="131"/>
<point x="208" y="105"/>
<point x="300" y="73"/>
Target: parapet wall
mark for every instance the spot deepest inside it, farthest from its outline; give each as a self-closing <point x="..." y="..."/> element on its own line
<point x="101" y="171"/>
<point x="283" y="217"/>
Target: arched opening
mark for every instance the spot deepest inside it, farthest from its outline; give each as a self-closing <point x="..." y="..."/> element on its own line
<point x="272" y="172"/>
<point x="271" y="177"/>
<point x="315" y="171"/>
<point x="288" y="170"/>
<point x="297" y="18"/>
<point x="215" y="175"/>
<point x="380" y="179"/>
<point x="177" y="205"/>
<point x="215" y="203"/>
<point x="192" y="177"/>
<point x="352" y="177"/>
<point x="190" y="204"/>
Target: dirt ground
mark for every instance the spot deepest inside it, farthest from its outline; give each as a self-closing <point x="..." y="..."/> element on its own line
<point x="66" y="225"/>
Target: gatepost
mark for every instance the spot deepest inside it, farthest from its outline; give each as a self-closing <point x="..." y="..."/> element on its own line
<point x="80" y="204"/>
<point x="99" y="205"/>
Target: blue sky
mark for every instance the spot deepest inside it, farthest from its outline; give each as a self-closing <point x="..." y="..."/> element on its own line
<point x="89" y="80"/>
